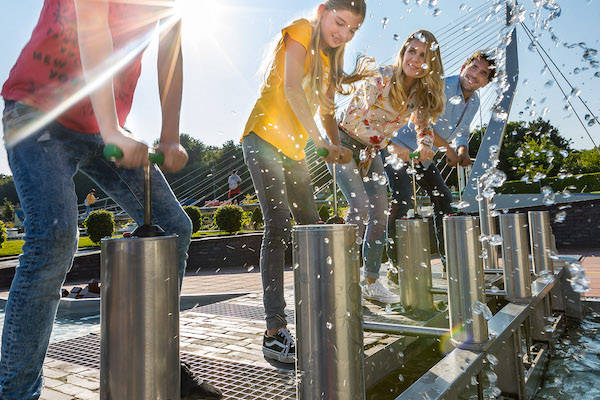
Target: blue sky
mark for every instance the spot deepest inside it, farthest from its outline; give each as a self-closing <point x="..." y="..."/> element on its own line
<point x="224" y="43"/>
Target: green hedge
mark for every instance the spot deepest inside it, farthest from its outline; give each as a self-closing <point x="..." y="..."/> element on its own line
<point x="584" y="183"/>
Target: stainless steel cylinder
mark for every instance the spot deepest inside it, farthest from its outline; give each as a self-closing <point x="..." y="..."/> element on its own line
<point x="139" y="319"/>
<point x="466" y="297"/>
<point x="414" y="263"/>
<point x="329" y="349"/>
<point x="515" y="257"/>
<point x="540" y="235"/>
<point x="488" y="227"/>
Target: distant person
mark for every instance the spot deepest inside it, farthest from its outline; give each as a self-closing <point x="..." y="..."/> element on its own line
<point x="305" y="72"/>
<point x="89" y="200"/>
<point x="72" y="45"/>
<point x="462" y="103"/>
<point x="234" y="184"/>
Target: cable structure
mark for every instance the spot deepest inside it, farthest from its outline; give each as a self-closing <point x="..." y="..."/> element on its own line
<point x="530" y="35"/>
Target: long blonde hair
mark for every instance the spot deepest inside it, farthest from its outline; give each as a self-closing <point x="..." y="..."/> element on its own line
<point x="428" y="91"/>
<point x="337" y="77"/>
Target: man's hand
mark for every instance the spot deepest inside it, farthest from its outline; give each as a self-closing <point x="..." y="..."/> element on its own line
<point x="175" y="156"/>
<point x="400" y="151"/>
<point x="451" y="156"/>
<point x="464" y="160"/>
<point x="135" y="153"/>
<point x="425" y="153"/>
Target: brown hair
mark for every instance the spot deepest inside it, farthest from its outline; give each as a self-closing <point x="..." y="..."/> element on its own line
<point x="480" y="55"/>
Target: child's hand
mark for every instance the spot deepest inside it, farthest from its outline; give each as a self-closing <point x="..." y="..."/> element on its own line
<point x="332" y="151"/>
<point x="425" y="153"/>
<point x="135" y="153"/>
<point x="175" y="156"/>
<point x="345" y="155"/>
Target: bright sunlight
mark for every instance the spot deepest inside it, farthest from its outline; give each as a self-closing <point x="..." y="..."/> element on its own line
<point x="199" y="17"/>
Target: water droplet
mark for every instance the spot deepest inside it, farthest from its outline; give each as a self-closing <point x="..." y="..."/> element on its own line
<point x="455" y="99"/>
<point x="384" y="22"/>
<point x="496" y="240"/>
<point x="396" y="37"/>
<point x="549" y="196"/>
<point x="329" y="325"/>
<point x="326" y="240"/>
<point x="329" y="260"/>
<point x="560" y="217"/>
<point x="460" y="205"/>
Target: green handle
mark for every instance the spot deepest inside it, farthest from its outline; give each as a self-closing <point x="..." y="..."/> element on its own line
<point x="323" y="152"/>
<point x="414" y="155"/>
<point x="112" y="152"/>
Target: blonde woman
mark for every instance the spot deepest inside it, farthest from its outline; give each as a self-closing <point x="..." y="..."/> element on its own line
<point x="410" y="89"/>
<point x="303" y="76"/>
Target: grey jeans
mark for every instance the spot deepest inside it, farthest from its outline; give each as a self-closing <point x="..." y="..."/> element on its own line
<point x="282" y="185"/>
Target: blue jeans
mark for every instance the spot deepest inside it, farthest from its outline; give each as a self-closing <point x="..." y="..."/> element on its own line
<point x="433" y="183"/>
<point x="367" y="208"/>
<point x="43" y="166"/>
<point x="280" y="182"/>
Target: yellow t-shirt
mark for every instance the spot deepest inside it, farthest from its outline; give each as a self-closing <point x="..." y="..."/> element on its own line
<point x="272" y="117"/>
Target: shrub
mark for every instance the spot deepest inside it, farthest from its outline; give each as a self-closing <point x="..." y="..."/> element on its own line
<point x="99" y="224"/>
<point x="257" y="218"/>
<point x="8" y="210"/>
<point x="196" y="217"/>
<point x="229" y="218"/>
<point x="2" y="233"/>
<point x="324" y="213"/>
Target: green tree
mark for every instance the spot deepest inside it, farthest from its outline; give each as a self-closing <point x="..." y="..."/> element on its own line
<point x="537" y="136"/>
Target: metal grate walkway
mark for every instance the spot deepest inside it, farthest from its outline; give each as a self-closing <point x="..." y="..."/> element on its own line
<point x="237" y="380"/>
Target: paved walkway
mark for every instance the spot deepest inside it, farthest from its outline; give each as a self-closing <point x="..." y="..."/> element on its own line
<point x="221" y="341"/>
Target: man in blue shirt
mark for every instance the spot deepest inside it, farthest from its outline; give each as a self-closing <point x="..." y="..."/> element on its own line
<point x="462" y="102"/>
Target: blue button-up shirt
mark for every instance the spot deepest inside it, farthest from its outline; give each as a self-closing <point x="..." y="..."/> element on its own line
<point x="453" y="123"/>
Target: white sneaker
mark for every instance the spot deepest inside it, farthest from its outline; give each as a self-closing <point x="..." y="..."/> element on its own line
<point x="378" y="292"/>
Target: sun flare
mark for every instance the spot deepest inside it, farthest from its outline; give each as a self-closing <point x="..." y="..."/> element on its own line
<point x="199" y="17"/>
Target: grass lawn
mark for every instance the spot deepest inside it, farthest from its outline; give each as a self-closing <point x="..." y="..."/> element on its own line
<point x="13" y="247"/>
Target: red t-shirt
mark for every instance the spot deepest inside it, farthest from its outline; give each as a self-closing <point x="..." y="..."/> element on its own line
<point x="48" y="69"/>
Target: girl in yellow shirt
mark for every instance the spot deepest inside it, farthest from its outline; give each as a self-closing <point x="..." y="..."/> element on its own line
<point x="305" y="73"/>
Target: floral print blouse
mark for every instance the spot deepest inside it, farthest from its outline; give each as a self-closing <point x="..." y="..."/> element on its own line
<point x="371" y="119"/>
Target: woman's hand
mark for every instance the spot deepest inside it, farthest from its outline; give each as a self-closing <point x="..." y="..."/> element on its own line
<point x="425" y="153"/>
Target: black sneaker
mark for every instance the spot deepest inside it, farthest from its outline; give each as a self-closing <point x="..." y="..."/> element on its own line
<point x="280" y="346"/>
<point x="194" y="388"/>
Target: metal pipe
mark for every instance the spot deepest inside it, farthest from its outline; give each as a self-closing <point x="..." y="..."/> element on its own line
<point x="329" y="351"/>
<point x="139" y="319"/>
<point x="466" y="282"/>
<point x="147" y="199"/>
<point x="414" y="263"/>
<point x="405" y="330"/>
<point x="540" y="237"/>
<point x="515" y="257"/>
<point x="488" y="292"/>
<point x="493" y="270"/>
<point x="488" y="228"/>
<point x="414" y="186"/>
